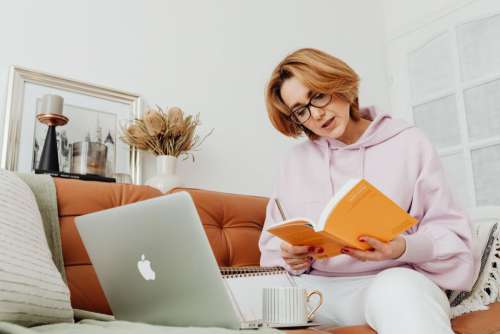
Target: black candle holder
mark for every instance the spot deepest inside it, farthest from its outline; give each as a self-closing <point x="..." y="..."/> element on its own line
<point x="49" y="160"/>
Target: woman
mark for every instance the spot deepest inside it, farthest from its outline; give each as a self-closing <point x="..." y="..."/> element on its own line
<point x="396" y="287"/>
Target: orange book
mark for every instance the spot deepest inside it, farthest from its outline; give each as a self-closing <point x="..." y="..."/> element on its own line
<point x="357" y="209"/>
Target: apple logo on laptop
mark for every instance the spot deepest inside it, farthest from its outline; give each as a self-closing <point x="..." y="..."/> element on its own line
<point x="144" y="267"/>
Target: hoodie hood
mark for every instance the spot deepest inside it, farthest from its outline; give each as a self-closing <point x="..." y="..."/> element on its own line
<point x="382" y="128"/>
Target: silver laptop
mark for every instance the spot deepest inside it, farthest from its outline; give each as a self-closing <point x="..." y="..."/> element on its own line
<point x="155" y="264"/>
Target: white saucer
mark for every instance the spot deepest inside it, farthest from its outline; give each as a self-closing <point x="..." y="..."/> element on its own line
<point x="307" y="324"/>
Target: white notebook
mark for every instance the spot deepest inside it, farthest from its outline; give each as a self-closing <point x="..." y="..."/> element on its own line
<point x="245" y="286"/>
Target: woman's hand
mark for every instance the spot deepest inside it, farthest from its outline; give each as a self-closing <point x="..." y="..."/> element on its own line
<point x="381" y="250"/>
<point x="298" y="257"/>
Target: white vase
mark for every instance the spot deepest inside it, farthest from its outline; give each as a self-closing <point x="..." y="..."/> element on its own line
<point x="166" y="177"/>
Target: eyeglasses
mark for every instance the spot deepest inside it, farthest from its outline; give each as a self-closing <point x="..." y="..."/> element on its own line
<point x="301" y="114"/>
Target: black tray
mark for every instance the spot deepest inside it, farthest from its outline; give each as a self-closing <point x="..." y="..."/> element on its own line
<point x="85" y="177"/>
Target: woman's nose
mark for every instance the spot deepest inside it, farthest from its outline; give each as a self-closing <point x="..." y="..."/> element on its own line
<point x="317" y="113"/>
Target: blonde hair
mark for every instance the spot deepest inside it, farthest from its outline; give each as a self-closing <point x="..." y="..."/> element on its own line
<point x="321" y="73"/>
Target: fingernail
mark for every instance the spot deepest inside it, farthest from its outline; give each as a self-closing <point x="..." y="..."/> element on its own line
<point x="344" y="250"/>
<point x="319" y="250"/>
<point x="361" y="239"/>
<point x="310" y="249"/>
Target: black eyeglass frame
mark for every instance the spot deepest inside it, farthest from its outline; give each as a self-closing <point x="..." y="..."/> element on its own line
<point x="307" y="107"/>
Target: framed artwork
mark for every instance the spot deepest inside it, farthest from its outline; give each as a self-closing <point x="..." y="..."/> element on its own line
<point x="95" y="115"/>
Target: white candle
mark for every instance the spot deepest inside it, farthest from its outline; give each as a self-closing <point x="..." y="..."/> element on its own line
<point x="52" y="104"/>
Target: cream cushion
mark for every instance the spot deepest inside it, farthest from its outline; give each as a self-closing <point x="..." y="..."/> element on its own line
<point x="32" y="290"/>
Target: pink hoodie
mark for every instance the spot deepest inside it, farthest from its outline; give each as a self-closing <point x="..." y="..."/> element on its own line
<point x="399" y="160"/>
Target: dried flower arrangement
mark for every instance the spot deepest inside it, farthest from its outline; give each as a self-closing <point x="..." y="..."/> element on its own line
<point x="164" y="133"/>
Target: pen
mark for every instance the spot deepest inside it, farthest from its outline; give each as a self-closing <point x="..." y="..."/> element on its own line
<point x="280" y="208"/>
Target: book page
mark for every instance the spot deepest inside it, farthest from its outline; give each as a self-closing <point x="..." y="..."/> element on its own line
<point x="320" y="225"/>
<point x="247" y="291"/>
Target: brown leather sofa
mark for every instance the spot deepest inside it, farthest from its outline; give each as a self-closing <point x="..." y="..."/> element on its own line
<point x="232" y="222"/>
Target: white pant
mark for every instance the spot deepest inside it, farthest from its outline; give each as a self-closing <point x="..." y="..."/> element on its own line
<point x="396" y="300"/>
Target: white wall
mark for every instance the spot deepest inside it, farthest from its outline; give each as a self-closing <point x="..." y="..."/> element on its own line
<point x="209" y="57"/>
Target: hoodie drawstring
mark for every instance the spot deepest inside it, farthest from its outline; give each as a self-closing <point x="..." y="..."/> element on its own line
<point x="362" y="151"/>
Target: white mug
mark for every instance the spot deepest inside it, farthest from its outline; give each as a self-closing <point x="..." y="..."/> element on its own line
<point x="288" y="306"/>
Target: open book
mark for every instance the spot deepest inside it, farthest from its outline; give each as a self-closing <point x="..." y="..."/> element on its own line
<point x="357" y="209"/>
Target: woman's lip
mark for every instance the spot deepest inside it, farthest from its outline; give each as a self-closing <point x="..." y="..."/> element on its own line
<point x="328" y="123"/>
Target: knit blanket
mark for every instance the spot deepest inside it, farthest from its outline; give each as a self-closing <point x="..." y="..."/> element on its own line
<point x="117" y="327"/>
<point x="44" y="190"/>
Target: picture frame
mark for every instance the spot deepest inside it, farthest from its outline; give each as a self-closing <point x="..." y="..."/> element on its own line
<point x="96" y="114"/>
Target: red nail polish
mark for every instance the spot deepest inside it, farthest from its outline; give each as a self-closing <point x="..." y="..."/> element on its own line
<point x="361" y="239"/>
<point x="345" y="251"/>
<point x="310" y="249"/>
